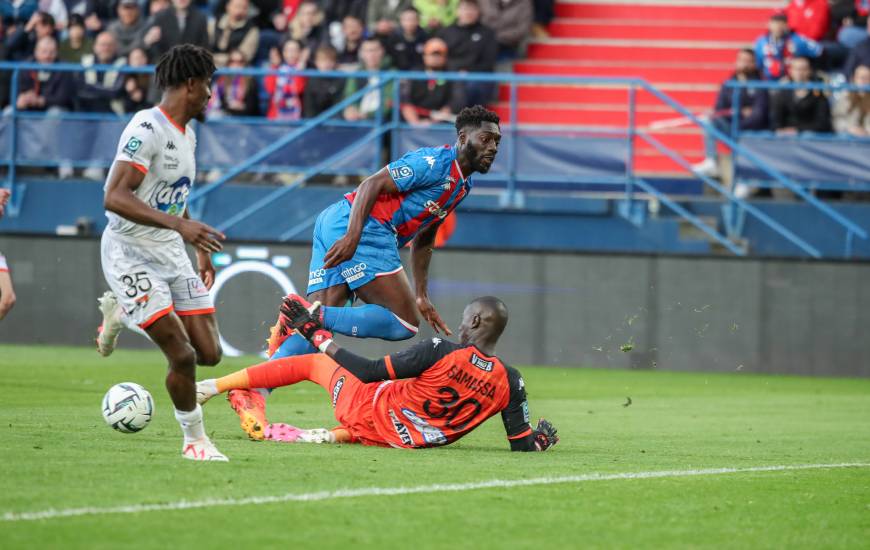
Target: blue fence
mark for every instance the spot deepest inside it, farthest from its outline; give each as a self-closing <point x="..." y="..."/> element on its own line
<point x="556" y="158"/>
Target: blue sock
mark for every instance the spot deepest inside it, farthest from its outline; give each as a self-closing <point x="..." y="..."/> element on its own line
<point x="368" y="321"/>
<point x="294" y="345"/>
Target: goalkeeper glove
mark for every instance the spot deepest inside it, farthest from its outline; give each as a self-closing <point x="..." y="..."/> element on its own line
<point x="545" y="435"/>
<point x="304" y="321"/>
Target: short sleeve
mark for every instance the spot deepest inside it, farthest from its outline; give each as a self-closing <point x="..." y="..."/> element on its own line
<point x="419" y="169"/>
<point x="138" y="144"/>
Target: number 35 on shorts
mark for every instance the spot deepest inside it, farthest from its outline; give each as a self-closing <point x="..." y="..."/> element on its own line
<point x="136" y="283"/>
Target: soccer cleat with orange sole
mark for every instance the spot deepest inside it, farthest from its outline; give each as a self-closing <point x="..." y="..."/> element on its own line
<point x="251" y="408"/>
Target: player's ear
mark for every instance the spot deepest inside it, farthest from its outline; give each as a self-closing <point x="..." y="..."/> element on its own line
<point x="462" y="138"/>
<point x="475" y="321"/>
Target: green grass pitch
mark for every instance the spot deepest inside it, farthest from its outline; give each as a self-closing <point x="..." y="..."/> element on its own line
<point x="57" y="453"/>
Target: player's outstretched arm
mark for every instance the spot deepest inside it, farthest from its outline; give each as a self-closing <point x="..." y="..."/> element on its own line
<point x="516" y="420"/>
<point x="121" y="199"/>
<point x="421" y="256"/>
<point x="366" y="195"/>
<point x="406" y="364"/>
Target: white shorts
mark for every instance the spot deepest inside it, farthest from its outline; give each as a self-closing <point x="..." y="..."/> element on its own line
<point x="3" y="265"/>
<point x="151" y="279"/>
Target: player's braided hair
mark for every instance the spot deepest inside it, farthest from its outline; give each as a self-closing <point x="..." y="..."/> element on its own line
<point x="474" y="117"/>
<point x="182" y="62"/>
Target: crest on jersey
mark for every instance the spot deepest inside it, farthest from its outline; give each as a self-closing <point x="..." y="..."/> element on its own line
<point x="482" y="364"/>
<point x="430" y="160"/>
<point x="171" y="198"/>
<point x="402" y="172"/>
<point x="435" y="342"/>
<point x="133" y="145"/>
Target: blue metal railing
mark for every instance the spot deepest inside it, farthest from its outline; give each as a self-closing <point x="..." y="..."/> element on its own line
<point x="626" y="179"/>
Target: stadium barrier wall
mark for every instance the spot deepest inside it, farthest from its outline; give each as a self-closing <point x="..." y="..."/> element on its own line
<point x="644" y="312"/>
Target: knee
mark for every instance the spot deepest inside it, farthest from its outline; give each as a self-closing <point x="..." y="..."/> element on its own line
<point x="183" y="359"/>
<point x="403" y="329"/>
<point x="209" y="357"/>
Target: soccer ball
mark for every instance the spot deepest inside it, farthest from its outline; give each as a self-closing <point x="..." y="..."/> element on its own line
<point x="128" y="407"/>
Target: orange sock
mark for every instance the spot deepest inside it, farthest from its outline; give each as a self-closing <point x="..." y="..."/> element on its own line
<point x="233" y="381"/>
<point x="315" y="367"/>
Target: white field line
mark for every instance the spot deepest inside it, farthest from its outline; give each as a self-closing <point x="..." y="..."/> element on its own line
<point x="52" y="513"/>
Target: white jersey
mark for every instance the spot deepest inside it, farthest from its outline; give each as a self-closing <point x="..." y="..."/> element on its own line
<point x="158" y="147"/>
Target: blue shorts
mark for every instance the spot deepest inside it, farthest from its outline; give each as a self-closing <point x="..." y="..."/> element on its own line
<point x="376" y="255"/>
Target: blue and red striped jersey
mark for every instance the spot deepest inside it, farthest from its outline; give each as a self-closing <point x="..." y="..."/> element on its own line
<point x="431" y="185"/>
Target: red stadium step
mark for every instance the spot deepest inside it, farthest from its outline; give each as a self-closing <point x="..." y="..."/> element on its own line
<point x="656" y="74"/>
<point x="632" y="51"/>
<point x="654" y="30"/>
<point x="688" y="140"/>
<point x="645" y="161"/>
<point x="761" y="13"/>
<point x="577" y="94"/>
<point x="582" y="115"/>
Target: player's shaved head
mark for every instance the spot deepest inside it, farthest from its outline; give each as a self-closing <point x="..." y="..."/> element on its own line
<point x="483" y="322"/>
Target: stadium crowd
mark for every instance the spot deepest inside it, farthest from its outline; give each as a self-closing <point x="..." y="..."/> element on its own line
<point x="283" y="35"/>
<point x="809" y="41"/>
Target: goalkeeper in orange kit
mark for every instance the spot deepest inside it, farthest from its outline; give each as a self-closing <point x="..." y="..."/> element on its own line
<point x="431" y="394"/>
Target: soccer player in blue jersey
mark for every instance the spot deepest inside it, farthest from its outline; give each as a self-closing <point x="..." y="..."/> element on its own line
<point x="356" y="248"/>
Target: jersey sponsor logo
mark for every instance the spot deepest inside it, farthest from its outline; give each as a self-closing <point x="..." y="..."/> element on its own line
<point x="336" y="390"/>
<point x="147" y="125"/>
<point x="170" y="146"/>
<point x="133" y="145"/>
<point x="431" y="434"/>
<point x="171" y="198"/>
<point x="526" y="412"/>
<point x="402" y="172"/>
<point x="430" y="161"/>
<point x="171" y="163"/>
<point x="471" y="382"/>
<point x="316" y="276"/>
<point x="480" y="363"/>
<point x="354" y="272"/>
<point x="401" y="429"/>
<point x="435" y="209"/>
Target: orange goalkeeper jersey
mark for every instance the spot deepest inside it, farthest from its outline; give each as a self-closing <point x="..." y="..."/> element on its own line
<point x="455" y="390"/>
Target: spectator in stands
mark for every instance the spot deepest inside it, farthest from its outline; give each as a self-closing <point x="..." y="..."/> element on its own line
<point x="382" y="16"/>
<point x="77" y="42"/>
<point x="20" y="45"/>
<point x="45" y="90"/>
<point x="262" y="12"/>
<point x="18" y="13"/>
<point x="752" y="109"/>
<point x="337" y="10"/>
<point x="545" y="11"/>
<point x="179" y="24"/>
<point x="137" y="86"/>
<point x="57" y="9"/>
<point x="308" y="26"/>
<point x="373" y="59"/>
<point x="405" y="45"/>
<point x="473" y="48"/>
<point x="427" y="101"/>
<point x="235" y="31"/>
<point x="775" y="50"/>
<point x="512" y="22"/>
<point x="436" y="14"/>
<point x="285" y="88"/>
<point x="348" y="41"/>
<point x="849" y="28"/>
<point x="810" y="18"/>
<point x="321" y="93"/>
<point x="101" y="91"/>
<point x="234" y="94"/>
<point x="127" y="29"/>
<point x="800" y="110"/>
<point x="851" y="111"/>
<point x="859" y="55"/>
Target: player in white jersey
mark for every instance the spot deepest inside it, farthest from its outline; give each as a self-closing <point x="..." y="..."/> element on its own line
<point x="7" y="293"/>
<point x="154" y="286"/>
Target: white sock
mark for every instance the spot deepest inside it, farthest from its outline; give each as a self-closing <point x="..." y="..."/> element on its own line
<point x="191" y="424"/>
<point x="208" y="387"/>
<point x="265" y="392"/>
